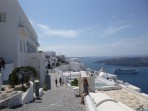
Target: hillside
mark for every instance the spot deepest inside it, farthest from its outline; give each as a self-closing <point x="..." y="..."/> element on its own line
<point x="127" y="61"/>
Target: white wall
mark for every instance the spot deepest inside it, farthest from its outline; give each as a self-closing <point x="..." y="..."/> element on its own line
<point x="28" y="96"/>
<point x="40" y="66"/>
<point x="105" y="103"/>
<point x="63" y="67"/>
<point x="14" y="100"/>
<point x="15" y="30"/>
<point x="90" y="106"/>
<point x="0" y="82"/>
<point x="74" y="66"/>
<point x="8" y="32"/>
<point x="7" y="71"/>
<point x="50" y="53"/>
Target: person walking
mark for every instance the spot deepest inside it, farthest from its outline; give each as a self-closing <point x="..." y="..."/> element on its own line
<point x="60" y="80"/>
<point x="85" y="90"/>
<point x="56" y="82"/>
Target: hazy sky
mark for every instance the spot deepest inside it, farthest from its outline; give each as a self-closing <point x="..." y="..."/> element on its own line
<point x="90" y="27"/>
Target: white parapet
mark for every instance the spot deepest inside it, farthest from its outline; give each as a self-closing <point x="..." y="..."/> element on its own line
<point x="76" y="91"/>
<point x="137" y="94"/>
<point x="90" y="106"/>
<point x="10" y="100"/>
<point x="28" y="96"/>
<point x="132" y="87"/>
<point x="105" y="103"/>
<point x="105" y="81"/>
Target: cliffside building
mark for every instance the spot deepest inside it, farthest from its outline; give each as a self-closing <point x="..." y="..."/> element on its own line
<point x="18" y="40"/>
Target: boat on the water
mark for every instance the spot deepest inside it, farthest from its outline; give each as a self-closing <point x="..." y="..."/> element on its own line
<point x="125" y="71"/>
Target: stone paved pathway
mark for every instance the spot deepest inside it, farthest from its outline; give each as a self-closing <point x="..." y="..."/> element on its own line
<point x="56" y="99"/>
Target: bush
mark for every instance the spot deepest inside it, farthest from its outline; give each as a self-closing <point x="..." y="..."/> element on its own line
<point x="25" y="75"/>
<point x="13" y="79"/>
<point x="74" y="82"/>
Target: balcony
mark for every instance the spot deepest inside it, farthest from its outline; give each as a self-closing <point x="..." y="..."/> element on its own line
<point x="23" y="31"/>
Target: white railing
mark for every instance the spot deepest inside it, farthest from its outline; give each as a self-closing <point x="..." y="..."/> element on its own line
<point x="28" y="96"/>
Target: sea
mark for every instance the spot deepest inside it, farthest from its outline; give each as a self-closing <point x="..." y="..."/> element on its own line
<point x="139" y="79"/>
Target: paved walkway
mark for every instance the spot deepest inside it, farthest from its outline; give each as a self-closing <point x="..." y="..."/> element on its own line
<point x="56" y="99"/>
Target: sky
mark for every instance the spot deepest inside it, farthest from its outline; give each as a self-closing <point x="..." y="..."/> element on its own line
<point x="87" y="28"/>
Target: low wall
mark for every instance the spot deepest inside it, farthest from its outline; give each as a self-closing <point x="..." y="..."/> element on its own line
<point x="69" y="87"/>
<point x="137" y="94"/>
<point x="90" y="106"/>
<point x="101" y="80"/>
<point x="11" y="101"/>
<point x="28" y="96"/>
<point x="104" y="102"/>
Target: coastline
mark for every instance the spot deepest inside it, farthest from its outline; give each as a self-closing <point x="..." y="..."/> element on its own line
<point x="139" y="80"/>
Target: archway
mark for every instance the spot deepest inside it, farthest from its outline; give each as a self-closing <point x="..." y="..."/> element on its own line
<point x="34" y="62"/>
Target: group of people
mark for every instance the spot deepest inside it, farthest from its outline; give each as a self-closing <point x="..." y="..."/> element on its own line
<point x="60" y="81"/>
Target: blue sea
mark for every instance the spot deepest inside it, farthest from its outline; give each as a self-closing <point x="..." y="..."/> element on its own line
<point x="140" y="79"/>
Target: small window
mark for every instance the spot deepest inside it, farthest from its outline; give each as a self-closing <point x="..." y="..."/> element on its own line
<point x="20" y="46"/>
<point x="2" y="17"/>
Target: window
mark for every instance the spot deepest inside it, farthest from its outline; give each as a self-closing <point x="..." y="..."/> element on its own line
<point x="24" y="47"/>
<point x="2" y="17"/>
<point x="20" y="46"/>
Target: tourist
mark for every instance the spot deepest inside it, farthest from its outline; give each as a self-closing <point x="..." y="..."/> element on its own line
<point x="56" y="82"/>
<point x="60" y="80"/>
<point x="85" y="90"/>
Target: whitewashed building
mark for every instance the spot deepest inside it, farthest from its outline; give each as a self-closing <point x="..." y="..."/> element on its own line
<point x="50" y="54"/>
<point x="51" y="59"/>
<point x="16" y="33"/>
<point x="18" y="40"/>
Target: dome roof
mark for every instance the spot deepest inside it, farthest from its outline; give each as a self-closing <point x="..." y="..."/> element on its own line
<point x="103" y="75"/>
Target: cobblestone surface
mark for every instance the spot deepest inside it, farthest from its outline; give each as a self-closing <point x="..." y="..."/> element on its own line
<point x="56" y="99"/>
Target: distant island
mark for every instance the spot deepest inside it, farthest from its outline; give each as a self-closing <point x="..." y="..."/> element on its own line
<point x="127" y="61"/>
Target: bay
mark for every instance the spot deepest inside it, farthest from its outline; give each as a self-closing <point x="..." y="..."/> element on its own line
<point x="140" y="79"/>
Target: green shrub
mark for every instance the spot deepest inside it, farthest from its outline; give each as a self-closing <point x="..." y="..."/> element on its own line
<point x="74" y="82"/>
<point x="13" y="79"/>
<point x="21" y="75"/>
